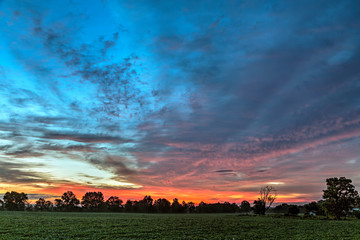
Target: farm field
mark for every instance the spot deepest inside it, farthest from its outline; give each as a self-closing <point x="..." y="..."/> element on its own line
<point x="56" y="225"/>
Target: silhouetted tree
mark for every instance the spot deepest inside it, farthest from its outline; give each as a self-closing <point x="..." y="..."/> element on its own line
<point x="315" y="207"/>
<point x="259" y="207"/>
<point x="162" y="205"/>
<point x="59" y="205"/>
<point x="340" y="196"/>
<point x="15" y="201"/>
<point x="266" y="199"/>
<point x="176" y="206"/>
<point x="282" y="208"/>
<point x="191" y="207"/>
<point x="225" y="207"/>
<point x="293" y="210"/>
<point x="93" y="201"/>
<point x="69" y="201"/>
<point x="235" y="207"/>
<point x="114" y="204"/>
<point x="1" y="204"/>
<point x="146" y="204"/>
<point x="42" y="205"/>
<point x="39" y="204"/>
<point x="128" y="206"/>
<point x="48" y="205"/>
<point x="185" y="207"/>
<point x="135" y="206"/>
<point x="245" y="206"/>
<point x="201" y="208"/>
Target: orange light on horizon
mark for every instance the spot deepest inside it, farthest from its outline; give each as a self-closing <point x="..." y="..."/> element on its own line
<point x="187" y="195"/>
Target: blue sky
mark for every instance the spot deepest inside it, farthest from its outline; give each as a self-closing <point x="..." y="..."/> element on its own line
<point x="217" y="98"/>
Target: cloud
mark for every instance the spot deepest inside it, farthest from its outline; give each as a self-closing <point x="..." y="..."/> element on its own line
<point x="32" y="196"/>
<point x="116" y="82"/>
<point x="85" y="138"/>
<point x="115" y="164"/>
<point x="11" y="172"/>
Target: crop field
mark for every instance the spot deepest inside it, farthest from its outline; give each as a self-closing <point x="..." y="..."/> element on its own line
<point x="56" y="225"/>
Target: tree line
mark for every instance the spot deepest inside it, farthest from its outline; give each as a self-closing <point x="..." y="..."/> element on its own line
<point x="94" y="202"/>
<point x="339" y="200"/>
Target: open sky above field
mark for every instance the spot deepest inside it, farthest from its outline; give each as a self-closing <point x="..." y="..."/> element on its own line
<point x="200" y="100"/>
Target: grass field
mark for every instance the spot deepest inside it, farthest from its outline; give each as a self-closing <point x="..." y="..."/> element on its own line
<point x="48" y="225"/>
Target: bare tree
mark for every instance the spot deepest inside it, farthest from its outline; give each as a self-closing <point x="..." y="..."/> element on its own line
<point x="267" y="197"/>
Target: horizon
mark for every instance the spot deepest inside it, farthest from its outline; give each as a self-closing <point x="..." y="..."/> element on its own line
<point x="203" y="101"/>
<point x="32" y="198"/>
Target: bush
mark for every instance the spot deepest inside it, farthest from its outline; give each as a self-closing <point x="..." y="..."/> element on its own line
<point x="357" y="214"/>
<point x="293" y="210"/>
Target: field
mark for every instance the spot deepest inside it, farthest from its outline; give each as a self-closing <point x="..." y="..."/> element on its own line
<point x="54" y="225"/>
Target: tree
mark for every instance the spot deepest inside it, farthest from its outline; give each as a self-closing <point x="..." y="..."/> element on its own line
<point x="15" y="201"/>
<point x="128" y="206"/>
<point x="1" y="204"/>
<point x="340" y="196"/>
<point x="69" y="201"/>
<point x="39" y="204"/>
<point x="146" y="204"/>
<point x="59" y="204"/>
<point x="259" y="207"/>
<point x="176" y="206"/>
<point x="184" y="207"/>
<point x="114" y="204"/>
<point x="282" y="208"/>
<point x="201" y="208"/>
<point x="48" y="205"/>
<point x="42" y="205"/>
<point x="315" y="207"/>
<point x="245" y="206"/>
<point x="93" y="201"/>
<point x="227" y="207"/>
<point x="162" y="205"/>
<point x="266" y="199"/>
<point x="293" y="210"/>
<point x="191" y="207"/>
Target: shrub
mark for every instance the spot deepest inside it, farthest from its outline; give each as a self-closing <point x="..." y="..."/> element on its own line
<point x="357" y="214"/>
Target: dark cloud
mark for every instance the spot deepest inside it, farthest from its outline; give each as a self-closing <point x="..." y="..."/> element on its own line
<point x="24" y="97"/>
<point x="85" y="138"/>
<point x="34" y="196"/>
<point x="66" y="148"/>
<point x="114" y="164"/>
<point x="11" y="172"/>
<point x="49" y="120"/>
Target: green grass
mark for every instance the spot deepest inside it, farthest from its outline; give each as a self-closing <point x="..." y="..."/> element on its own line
<point x="54" y="225"/>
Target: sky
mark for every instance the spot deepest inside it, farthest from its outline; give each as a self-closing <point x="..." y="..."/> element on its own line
<point x="199" y="100"/>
